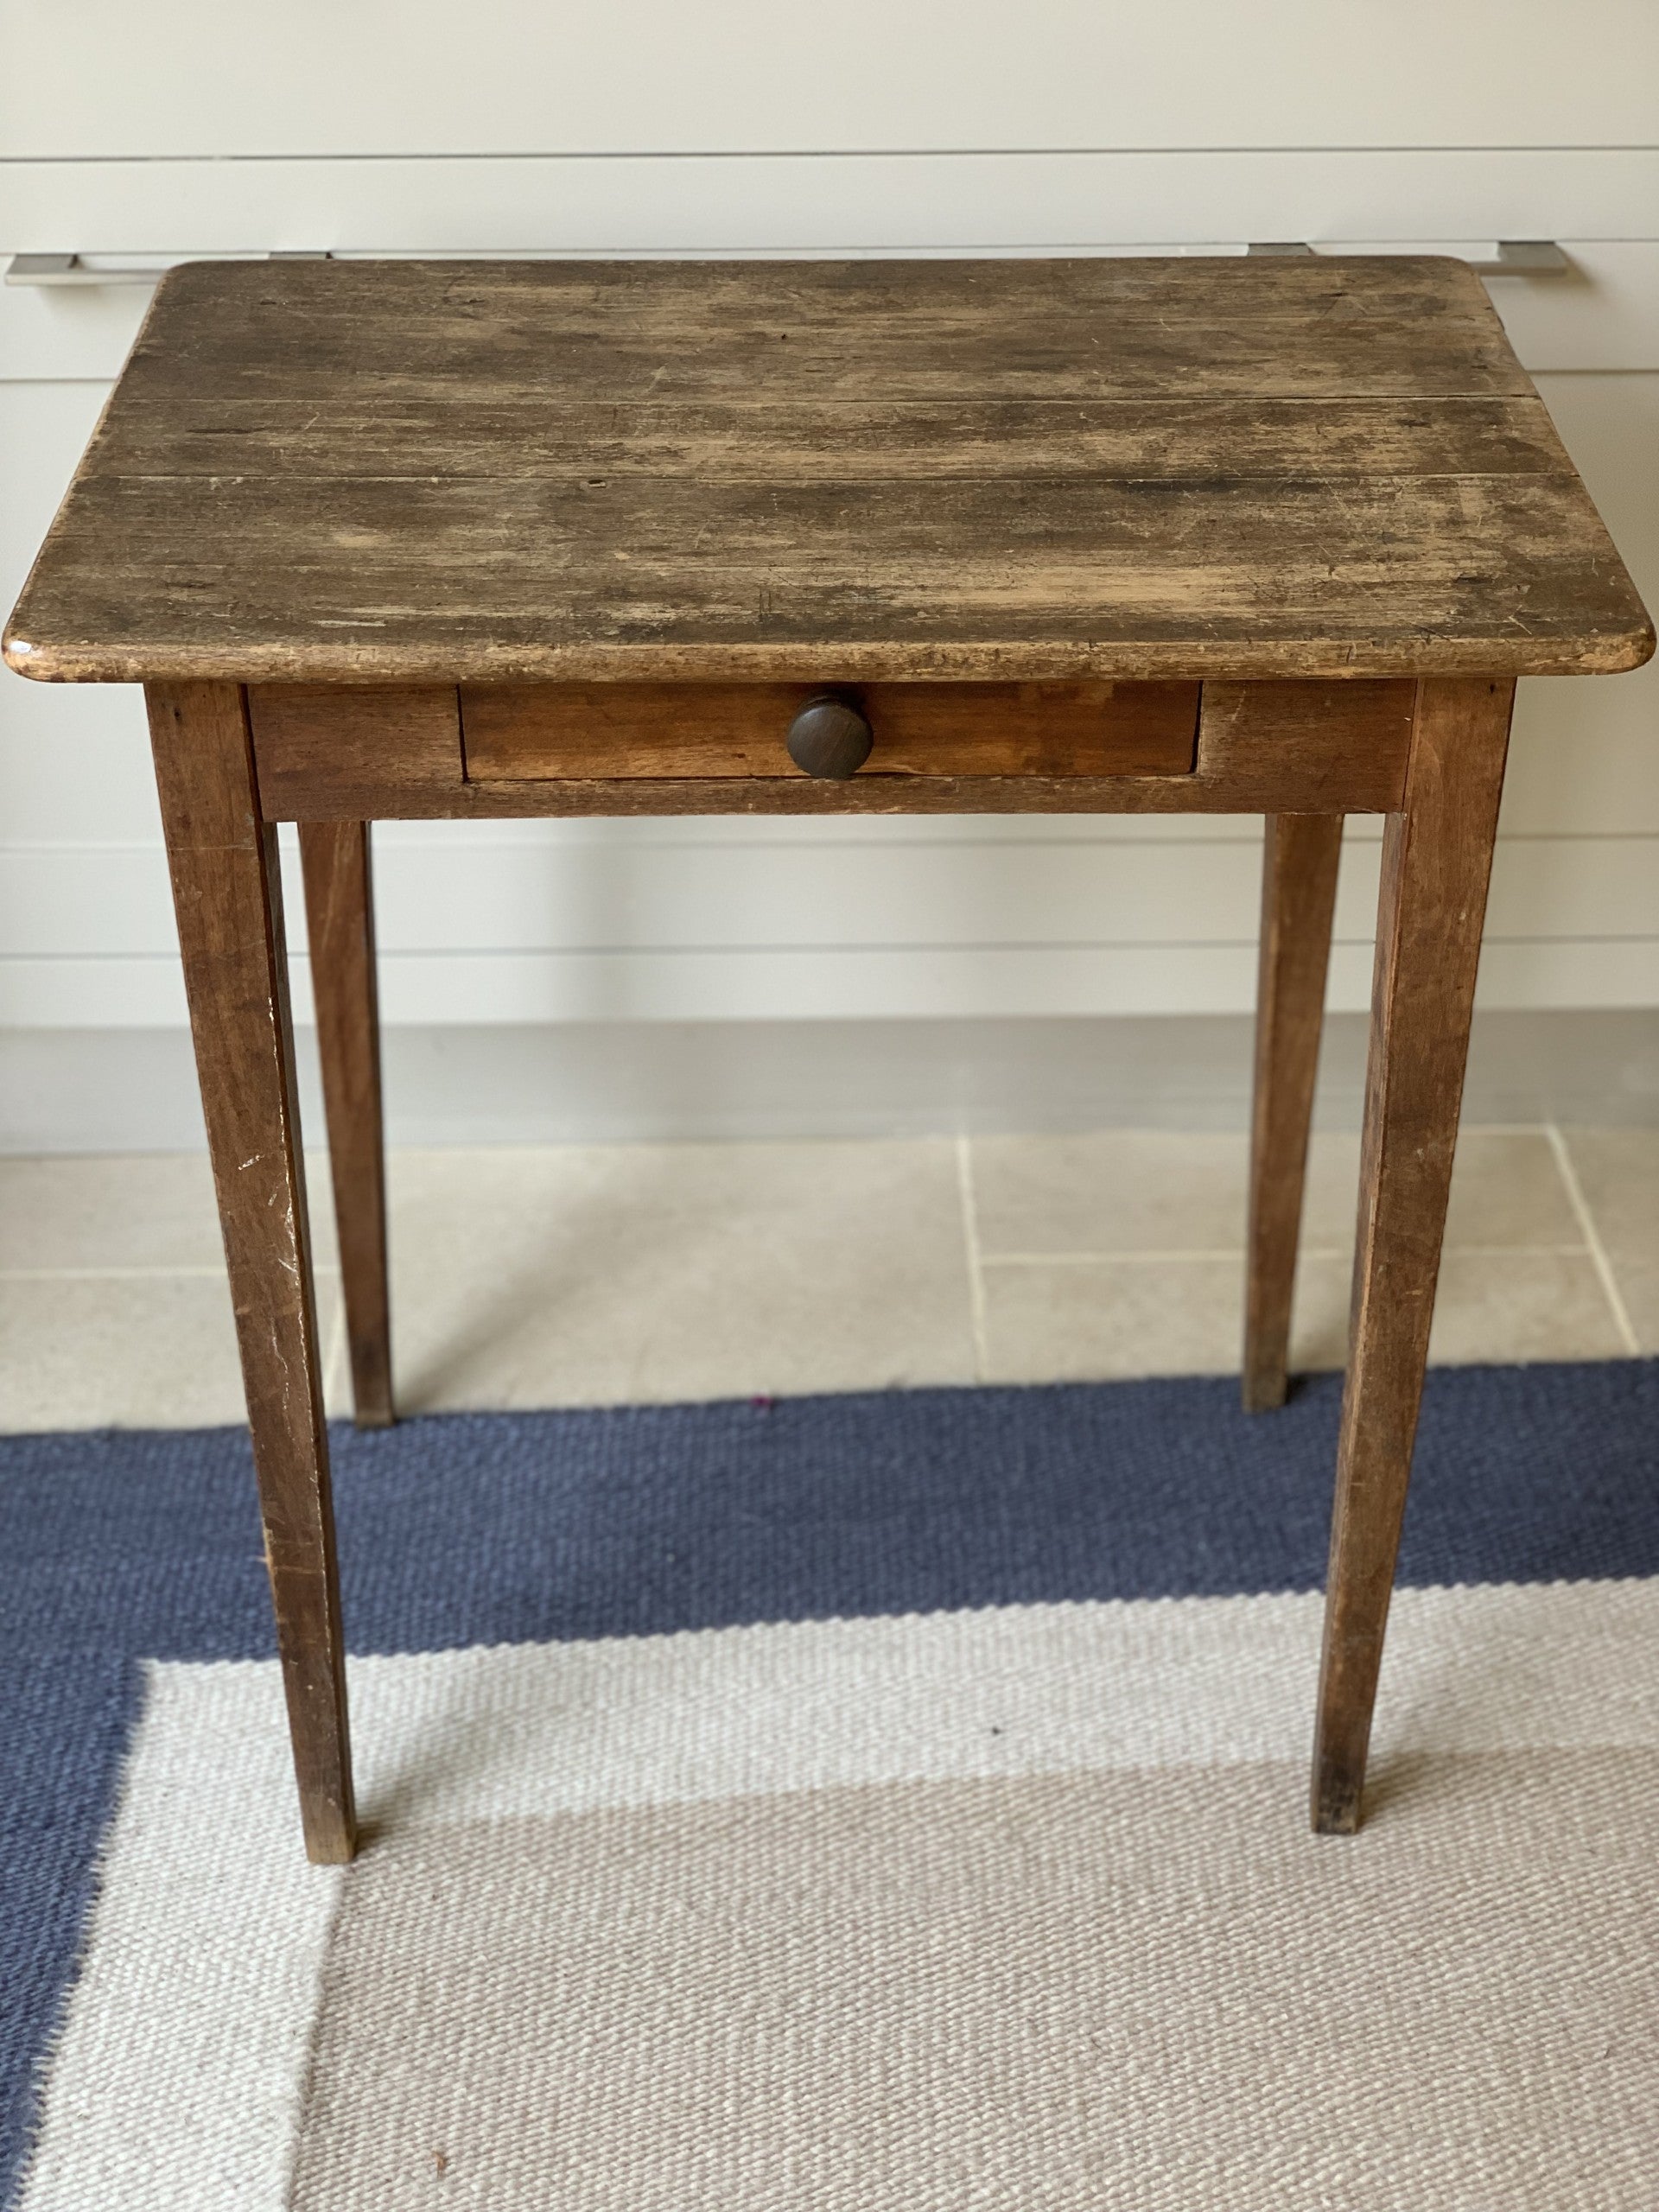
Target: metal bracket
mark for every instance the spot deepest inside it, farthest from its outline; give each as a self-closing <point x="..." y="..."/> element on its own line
<point x="72" y="272"/>
<point x="1516" y="257"/>
<point x="1525" y="257"/>
<point x="66" y="269"/>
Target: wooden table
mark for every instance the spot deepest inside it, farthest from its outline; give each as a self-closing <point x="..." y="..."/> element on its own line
<point x="460" y="539"/>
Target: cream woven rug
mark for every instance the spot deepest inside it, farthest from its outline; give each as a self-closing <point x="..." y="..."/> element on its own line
<point x="1011" y="1908"/>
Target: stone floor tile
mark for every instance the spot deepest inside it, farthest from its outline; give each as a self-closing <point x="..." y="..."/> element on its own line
<point x="586" y="1275"/>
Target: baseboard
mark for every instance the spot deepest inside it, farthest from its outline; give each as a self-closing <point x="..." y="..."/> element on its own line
<point x="134" y="1090"/>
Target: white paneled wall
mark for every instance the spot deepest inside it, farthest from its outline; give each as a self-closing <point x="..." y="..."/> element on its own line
<point x="384" y="78"/>
<point x="1024" y="202"/>
<point x="1055" y="127"/>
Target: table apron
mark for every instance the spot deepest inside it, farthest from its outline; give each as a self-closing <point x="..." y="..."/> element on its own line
<point x="339" y="752"/>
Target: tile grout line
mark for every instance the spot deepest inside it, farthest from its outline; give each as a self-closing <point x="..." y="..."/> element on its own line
<point x="1598" y="1250"/>
<point x="214" y="1273"/>
<point x="1505" y="1129"/>
<point x="975" y="1265"/>
<point x="1196" y="1253"/>
<point x="1236" y="1252"/>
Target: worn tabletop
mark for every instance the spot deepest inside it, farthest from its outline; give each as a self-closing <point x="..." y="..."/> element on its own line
<point x="379" y="471"/>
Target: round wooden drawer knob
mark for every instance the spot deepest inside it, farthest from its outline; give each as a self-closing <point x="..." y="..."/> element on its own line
<point x="830" y="737"/>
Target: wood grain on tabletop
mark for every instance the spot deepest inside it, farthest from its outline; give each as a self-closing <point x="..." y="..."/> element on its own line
<point x="805" y="471"/>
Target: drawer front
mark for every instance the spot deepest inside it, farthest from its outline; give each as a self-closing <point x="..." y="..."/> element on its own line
<point x="529" y="733"/>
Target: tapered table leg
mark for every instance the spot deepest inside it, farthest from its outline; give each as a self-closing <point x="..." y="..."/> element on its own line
<point x="340" y="914"/>
<point x="227" y="892"/>
<point x="1436" y="861"/>
<point x="1299" y="894"/>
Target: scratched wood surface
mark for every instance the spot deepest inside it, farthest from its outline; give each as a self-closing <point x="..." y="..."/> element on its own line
<point x="1437" y="859"/>
<point x="388" y="471"/>
<point x="227" y="894"/>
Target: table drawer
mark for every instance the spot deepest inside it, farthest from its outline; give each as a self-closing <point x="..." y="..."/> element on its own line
<point x="529" y="732"/>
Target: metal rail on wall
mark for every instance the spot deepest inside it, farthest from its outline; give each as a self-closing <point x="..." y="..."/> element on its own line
<point x="1513" y="257"/>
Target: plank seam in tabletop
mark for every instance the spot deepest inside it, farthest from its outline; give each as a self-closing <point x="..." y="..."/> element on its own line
<point x="812" y="471"/>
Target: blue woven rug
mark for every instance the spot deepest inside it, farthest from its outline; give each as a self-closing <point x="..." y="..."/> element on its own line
<point x="641" y="1535"/>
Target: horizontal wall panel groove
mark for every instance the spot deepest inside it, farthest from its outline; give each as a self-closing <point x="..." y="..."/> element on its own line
<point x="790" y="984"/>
<point x="789" y="833"/>
<point x="742" y="75"/>
<point x="1038" y="896"/>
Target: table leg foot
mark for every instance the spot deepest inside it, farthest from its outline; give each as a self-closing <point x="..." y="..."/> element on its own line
<point x="330" y="1836"/>
<point x="1335" y="1803"/>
